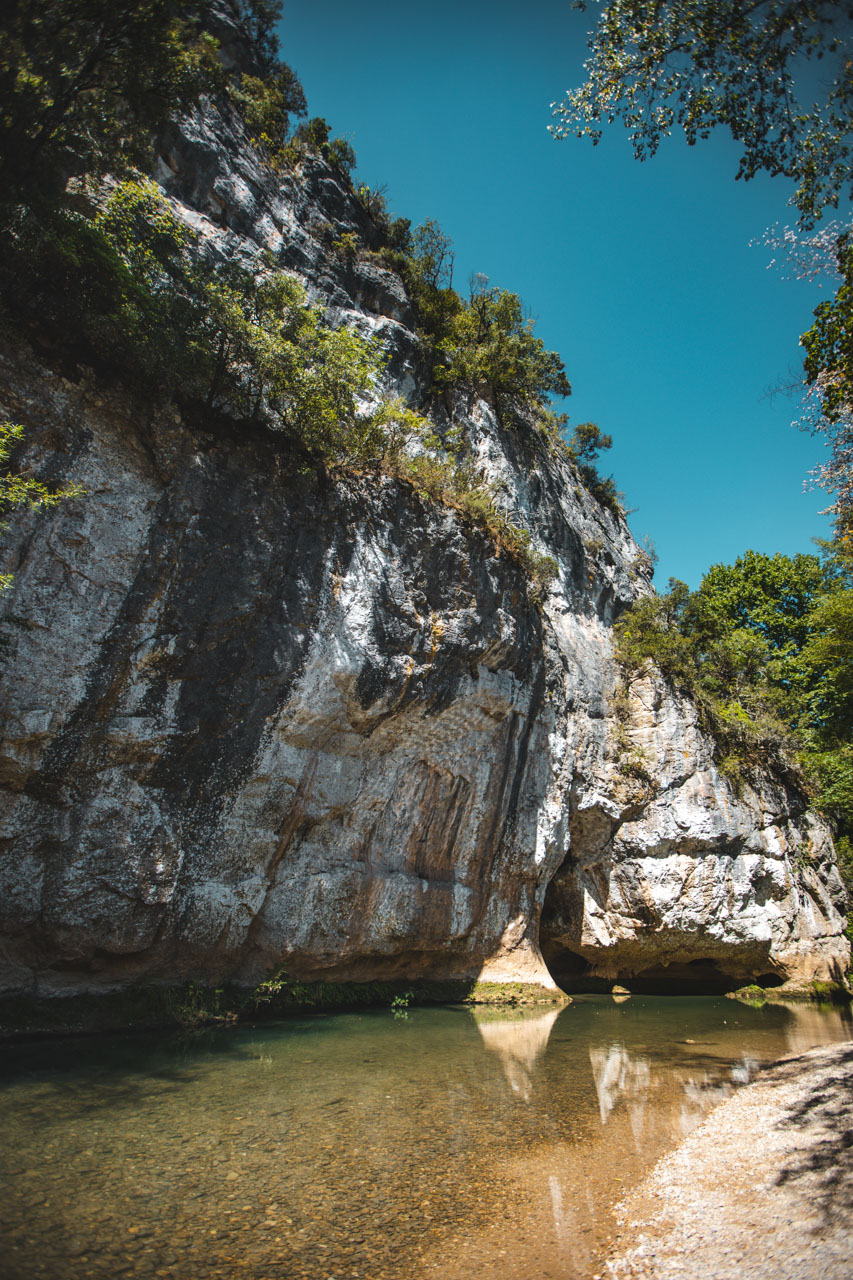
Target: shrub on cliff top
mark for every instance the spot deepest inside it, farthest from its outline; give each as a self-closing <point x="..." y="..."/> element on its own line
<point x="86" y="84"/>
<point x="484" y="342"/>
<point x="136" y="299"/>
<point x="266" y="105"/>
<point x="108" y="273"/>
<point x="315" y="135"/>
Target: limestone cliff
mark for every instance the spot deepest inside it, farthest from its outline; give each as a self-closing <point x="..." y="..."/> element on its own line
<point x="253" y="721"/>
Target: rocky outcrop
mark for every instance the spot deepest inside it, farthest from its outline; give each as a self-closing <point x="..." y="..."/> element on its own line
<point x="677" y="879"/>
<point x="256" y="721"/>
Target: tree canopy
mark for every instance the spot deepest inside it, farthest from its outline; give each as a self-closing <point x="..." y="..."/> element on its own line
<point x="85" y="84"/>
<point x="778" y="74"/>
<point x="747" y="65"/>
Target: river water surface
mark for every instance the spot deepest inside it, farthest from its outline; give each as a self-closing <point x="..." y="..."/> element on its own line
<point x="440" y="1144"/>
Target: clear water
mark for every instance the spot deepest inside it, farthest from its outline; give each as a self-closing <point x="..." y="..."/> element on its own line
<point x="443" y="1144"/>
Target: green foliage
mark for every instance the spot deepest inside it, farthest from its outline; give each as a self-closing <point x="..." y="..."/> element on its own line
<point x="398" y="236"/>
<point x="586" y="442"/>
<point x="552" y="427"/>
<point x="492" y="344"/>
<point x="751" y="995"/>
<point x="126" y="288"/>
<point x="400" y="1004"/>
<point x="442" y="472"/>
<point x="84" y="84"/>
<point x="19" y="490"/>
<point x="766" y="648"/>
<point x="266" y="105"/>
<point x="347" y="245"/>
<point x="269" y="357"/>
<point x="431" y="252"/>
<point x="828" y="367"/>
<point x="483" y="344"/>
<point x="702" y="63"/>
<point x="829" y="342"/>
<point x="195" y="1006"/>
<point x="250" y="347"/>
<point x="259" y="19"/>
<point x="341" y="154"/>
<point x="314" y="136"/>
<point x="832" y="771"/>
<point x="631" y="758"/>
<point x="650" y="631"/>
<point x="372" y="200"/>
<point x="826" y="661"/>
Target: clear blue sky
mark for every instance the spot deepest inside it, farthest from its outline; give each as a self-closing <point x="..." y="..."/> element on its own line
<point x="642" y="276"/>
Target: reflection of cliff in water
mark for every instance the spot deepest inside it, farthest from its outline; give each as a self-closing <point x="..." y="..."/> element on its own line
<point x="610" y="1087"/>
<point x="701" y="1071"/>
<point x="519" y="1039"/>
<point x="443" y="1146"/>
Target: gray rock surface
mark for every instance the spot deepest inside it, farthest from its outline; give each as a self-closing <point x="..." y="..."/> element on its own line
<point x="254" y="721"/>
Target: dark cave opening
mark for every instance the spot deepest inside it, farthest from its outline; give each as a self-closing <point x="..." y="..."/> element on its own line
<point x="702" y="975"/>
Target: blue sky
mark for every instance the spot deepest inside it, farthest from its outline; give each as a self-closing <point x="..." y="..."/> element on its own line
<point x="671" y="326"/>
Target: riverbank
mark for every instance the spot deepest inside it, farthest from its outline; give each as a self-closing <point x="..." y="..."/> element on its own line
<point x="192" y="1006"/>
<point x="761" y="1190"/>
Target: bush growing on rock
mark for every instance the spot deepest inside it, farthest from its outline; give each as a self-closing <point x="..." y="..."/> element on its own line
<point x="483" y="343"/>
<point x="314" y="136"/>
<point x="266" y="105"/>
<point x="20" y="490"/>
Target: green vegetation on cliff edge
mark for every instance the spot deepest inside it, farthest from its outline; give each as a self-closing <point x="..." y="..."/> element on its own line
<point x="102" y="270"/>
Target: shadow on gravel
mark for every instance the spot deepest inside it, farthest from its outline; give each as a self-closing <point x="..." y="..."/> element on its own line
<point x="824" y="1116"/>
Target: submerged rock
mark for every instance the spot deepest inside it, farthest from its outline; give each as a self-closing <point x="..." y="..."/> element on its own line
<point x="253" y="721"/>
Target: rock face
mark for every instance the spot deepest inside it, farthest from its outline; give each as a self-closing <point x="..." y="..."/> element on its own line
<point x="253" y="721"/>
<point x="677" y="880"/>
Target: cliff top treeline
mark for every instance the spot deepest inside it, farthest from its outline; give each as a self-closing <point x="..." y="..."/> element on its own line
<point x="104" y="271"/>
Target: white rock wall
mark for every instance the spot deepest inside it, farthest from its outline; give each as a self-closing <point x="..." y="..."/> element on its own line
<point x="253" y="723"/>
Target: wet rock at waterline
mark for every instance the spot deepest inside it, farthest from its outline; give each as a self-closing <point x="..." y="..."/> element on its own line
<point x="256" y="721"/>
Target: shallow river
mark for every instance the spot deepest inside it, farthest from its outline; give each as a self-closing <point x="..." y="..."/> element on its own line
<point x="441" y="1144"/>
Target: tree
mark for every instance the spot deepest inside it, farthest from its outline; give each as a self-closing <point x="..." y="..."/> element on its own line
<point x="19" y="490"/>
<point x="779" y="75"/>
<point x="828" y="366"/>
<point x="587" y="442"/>
<point x="737" y="63"/>
<point x="493" y="344"/>
<point x="827" y="407"/>
<point x="266" y="104"/>
<point x="765" y="646"/>
<point x="85" y="83"/>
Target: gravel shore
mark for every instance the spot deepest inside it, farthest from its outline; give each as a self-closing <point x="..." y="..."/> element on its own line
<point x="761" y="1190"/>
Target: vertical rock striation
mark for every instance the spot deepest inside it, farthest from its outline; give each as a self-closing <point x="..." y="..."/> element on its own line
<point x="253" y="721"/>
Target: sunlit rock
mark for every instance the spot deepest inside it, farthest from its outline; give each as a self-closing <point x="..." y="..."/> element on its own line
<point x="254" y="721"/>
